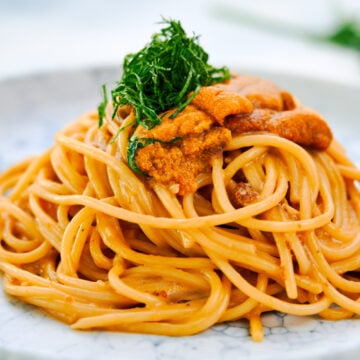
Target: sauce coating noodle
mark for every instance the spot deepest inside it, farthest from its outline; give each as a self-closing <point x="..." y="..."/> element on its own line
<point x="95" y="245"/>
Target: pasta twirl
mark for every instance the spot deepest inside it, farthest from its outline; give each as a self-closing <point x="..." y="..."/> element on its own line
<point x="97" y="246"/>
<point x="192" y="197"/>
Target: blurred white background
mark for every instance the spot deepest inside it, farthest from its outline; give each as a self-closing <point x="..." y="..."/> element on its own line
<point x="50" y="35"/>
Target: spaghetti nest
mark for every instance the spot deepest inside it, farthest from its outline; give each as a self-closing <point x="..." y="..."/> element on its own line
<point x="268" y="225"/>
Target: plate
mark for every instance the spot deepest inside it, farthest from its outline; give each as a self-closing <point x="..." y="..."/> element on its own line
<point x="32" y="109"/>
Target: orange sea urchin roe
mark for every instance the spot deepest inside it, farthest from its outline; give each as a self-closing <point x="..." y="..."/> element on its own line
<point x="201" y="138"/>
<point x="205" y="127"/>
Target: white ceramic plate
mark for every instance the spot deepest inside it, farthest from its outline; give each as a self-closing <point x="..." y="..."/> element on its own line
<point x="31" y="110"/>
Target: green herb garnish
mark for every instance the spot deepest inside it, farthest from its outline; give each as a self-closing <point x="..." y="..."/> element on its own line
<point x="102" y="105"/>
<point x="347" y="34"/>
<point x="161" y="75"/>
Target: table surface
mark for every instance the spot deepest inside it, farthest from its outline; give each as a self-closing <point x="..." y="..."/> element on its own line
<point x="51" y="35"/>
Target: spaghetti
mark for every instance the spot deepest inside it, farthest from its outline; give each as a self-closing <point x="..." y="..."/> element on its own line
<point x="192" y="197"/>
<point x="271" y="225"/>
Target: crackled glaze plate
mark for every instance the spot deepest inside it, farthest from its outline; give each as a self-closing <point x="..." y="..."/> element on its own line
<point x="32" y="109"/>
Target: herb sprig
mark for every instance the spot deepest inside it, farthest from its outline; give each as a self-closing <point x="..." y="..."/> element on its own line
<point x="345" y="33"/>
<point x="161" y="77"/>
<point x="162" y="74"/>
<point x="102" y="105"/>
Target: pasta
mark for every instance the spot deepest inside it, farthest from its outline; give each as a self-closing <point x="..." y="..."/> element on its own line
<point x="192" y="197"/>
<point x="96" y="245"/>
